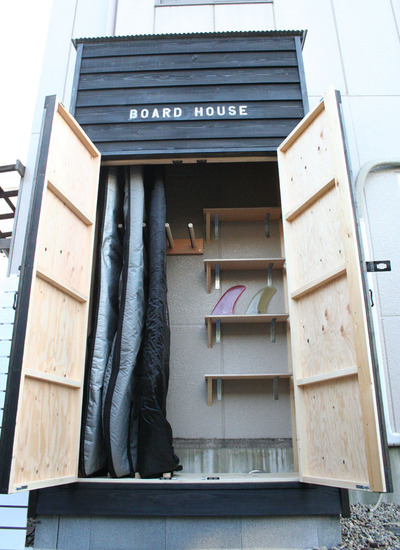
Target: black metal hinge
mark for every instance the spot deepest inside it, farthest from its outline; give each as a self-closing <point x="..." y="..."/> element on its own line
<point x="383" y="265"/>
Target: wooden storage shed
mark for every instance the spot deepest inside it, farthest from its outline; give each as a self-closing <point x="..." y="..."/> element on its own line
<point x="269" y="192"/>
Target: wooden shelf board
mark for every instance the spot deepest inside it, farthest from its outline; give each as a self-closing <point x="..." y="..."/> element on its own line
<point x="244" y="214"/>
<point x="182" y="247"/>
<point x="245" y="263"/>
<point x="241" y="319"/>
<point x="219" y="377"/>
<point x="239" y="215"/>
<point x="247" y="376"/>
<point x="236" y="264"/>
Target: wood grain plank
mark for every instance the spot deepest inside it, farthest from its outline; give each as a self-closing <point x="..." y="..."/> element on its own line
<point x="255" y="110"/>
<point x="131" y="63"/>
<point x="327" y="376"/>
<point x="173" y="78"/>
<point x="52" y="378"/>
<point x="154" y="130"/>
<point x="314" y="196"/>
<point x="193" y="45"/>
<point x="315" y="284"/>
<point x="203" y="94"/>
<point x="245" y="263"/>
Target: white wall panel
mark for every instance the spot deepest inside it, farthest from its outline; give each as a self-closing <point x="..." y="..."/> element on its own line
<point x="380" y="210"/>
<point x="17" y="499"/>
<point x="396" y="11"/>
<point x="321" y="52"/>
<point x="244" y="17"/>
<point x="184" y="19"/>
<point x="391" y="339"/>
<point x="12" y="539"/>
<point x="15" y="516"/>
<point x="91" y="18"/>
<point x="135" y="17"/>
<point x="376" y="125"/>
<point x="13" y="508"/>
<point x="370" y="46"/>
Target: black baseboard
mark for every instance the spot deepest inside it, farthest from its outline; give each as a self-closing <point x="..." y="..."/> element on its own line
<point x="191" y="500"/>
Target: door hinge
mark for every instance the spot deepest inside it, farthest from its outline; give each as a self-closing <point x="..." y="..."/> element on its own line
<point x="382" y="265"/>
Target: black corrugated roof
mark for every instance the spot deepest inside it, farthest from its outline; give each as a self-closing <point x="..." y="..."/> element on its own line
<point x="129" y="38"/>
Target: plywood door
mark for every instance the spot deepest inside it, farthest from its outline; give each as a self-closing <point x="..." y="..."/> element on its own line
<point x="338" y="425"/>
<point x="47" y="429"/>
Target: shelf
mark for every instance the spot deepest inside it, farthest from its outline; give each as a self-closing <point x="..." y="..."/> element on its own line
<point x="219" y="377"/>
<point x="243" y="319"/>
<point x="239" y="264"/>
<point x="239" y="215"/>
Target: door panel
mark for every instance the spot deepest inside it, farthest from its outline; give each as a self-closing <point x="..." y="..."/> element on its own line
<point x="51" y="323"/>
<point x="338" y="426"/>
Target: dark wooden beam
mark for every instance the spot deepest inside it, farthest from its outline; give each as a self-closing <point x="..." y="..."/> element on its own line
<point x="197" y="499"/>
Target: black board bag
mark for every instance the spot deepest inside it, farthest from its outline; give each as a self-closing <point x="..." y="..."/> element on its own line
<point x="155" y="449"/>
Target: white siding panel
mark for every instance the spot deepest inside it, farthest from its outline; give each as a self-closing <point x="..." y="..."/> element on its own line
<point x="3" y="381"/>
<point x="396" y="11"/>
<point x="391" y="339"/>
<point x="7" y="315"/>
<point x="184" y="19"/>
<point x="91" y="18"/>
<point x="6" y="330"/>
<point x="370" y="46"/>
<point x="382" y="205"/>
<point x="135" y="17"/>
<point x="6" y="298"/>
<point x="18" y="499"/>
<point x="321" y="52"/>
<point x="376" y="125"/>
<point x="5" y="348"/>
<point x="244" y="17"/>
<point x="14" y="516"/>
<point x="382" y="194"/>
<point x="13" y="508"/>
<point x="12" y="539"/>
<point x="4" y="362"/>
<point x="55" y="61"/>
<point x="9" y="284"/>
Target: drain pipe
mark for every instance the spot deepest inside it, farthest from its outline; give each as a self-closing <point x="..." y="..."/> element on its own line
<point x="111" y="17"/>
<point x="379" y="164"/>
<point x="366" y="169"/>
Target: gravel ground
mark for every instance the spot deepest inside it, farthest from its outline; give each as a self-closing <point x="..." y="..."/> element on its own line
<point x="367" y="528"/>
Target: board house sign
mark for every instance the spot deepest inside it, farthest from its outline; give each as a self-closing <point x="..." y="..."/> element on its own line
<point x="184" y="95"/>
<point x="165" y="113"/>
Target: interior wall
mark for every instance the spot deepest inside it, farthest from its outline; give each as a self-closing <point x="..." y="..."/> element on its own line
<point x="247" y="410"/>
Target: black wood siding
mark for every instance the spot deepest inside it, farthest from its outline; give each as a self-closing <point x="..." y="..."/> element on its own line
<point x="261" y="71"/>
<point x="195" y="500"/>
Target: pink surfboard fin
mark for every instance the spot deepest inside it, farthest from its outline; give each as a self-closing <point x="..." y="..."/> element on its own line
<point x="227" y="302"/>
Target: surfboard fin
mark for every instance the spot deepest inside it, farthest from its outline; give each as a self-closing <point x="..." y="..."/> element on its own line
<point x="226" y="303"/>
<point x="260" y="301"/>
